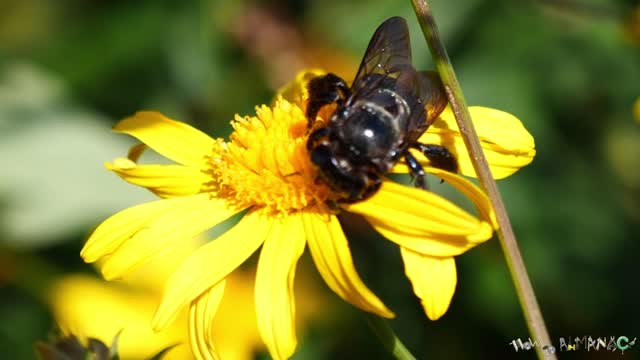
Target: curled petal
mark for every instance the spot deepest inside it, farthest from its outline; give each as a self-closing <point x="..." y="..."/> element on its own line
<point x="163" y="180"/>
<point x="201" y="314"/>
<point x="421" y="220"/>
<point x="275" y="307"/>
<point x="173" y="139"/>
<point x="471" y="191"/>
<point x="433" y="279"/>
<point x="506" y="143"/>
<point x="166" y="232"/>
<point x="210" y="264"/>
<point x="330" y="251"/>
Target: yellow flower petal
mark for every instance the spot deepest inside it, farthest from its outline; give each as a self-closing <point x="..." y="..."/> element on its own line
<point x="166" y="232"/>
<point x="422" y="221"/>
<point x="296" y="91"/>
<point x="471" y="191"/>
<point x="210" y="264"/>
<point x="172" y="139"/>
<point x="433" y="279"/>
<point x="163" y="180"/>
<point x="109" y="235"/>
<point x="424" y="243"/>
<point x="507" y="144"/>
<point x="201" y="314"/>
<point x="275" y="307"/>
<point x="411" y="209"/>
<point x="330" y="251"/>
<point x="153" y="274"/>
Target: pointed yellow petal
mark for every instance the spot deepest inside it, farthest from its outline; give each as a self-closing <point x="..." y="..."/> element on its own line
<point x="210" y="264"/>
<point x="507" y="144"/>
<point x="201" y="314"/>
<point x="422" y="221"/>
<point x="425" y="243"/>
<point x="296" y="91"/>
<point x="330" y="251"/>
<point x="275" y="307"/>
<point x="433" y="279"/>
<point x="166" y="232"/>
<point x="163" y="180"/>
<point x="153" y="274"/>
<point x="409" y="208"/>
<point x="172" y="139"/>
<point x="109" y="235"/>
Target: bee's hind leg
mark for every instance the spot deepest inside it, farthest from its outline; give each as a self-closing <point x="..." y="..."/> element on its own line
<point x="439" y="156"/>
<point x="416" y="171"/>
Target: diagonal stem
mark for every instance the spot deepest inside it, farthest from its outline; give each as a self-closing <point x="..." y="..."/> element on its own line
<point x="525" y="292"/>
<point x="388" y="338"/>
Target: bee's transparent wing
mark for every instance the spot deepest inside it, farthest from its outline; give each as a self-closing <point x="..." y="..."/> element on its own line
<point x="388" y="52"/>
<point x="430" y="98"/>
<point x="388" y="58"/>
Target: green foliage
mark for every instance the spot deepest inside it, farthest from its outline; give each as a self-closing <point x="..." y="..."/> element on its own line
<point x="70" y="69"/>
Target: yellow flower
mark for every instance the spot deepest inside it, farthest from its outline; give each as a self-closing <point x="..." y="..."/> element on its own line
<point x="636" y="110"/>
<point x="85" y="306"/>
<point x="264" y="171"/>
<point x="88" y="307"/>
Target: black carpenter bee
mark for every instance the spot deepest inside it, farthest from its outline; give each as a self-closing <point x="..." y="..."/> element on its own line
<point x="376" y="120"/>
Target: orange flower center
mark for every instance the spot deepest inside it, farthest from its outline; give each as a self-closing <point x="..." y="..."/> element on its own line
<point x="266" y="163"/>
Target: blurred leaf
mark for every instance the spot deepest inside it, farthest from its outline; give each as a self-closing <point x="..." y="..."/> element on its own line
<point x="92" y="48"/>
<point x="333" y="22"/>
<point x="622" y="149"/>
<point x="53" y="181"/>
<point x="25" y="22"/>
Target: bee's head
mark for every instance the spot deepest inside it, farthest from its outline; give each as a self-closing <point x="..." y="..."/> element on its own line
<point x="350" y="181"/>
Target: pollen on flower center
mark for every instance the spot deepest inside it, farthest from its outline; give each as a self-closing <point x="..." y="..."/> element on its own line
<point x="266" y="163"/>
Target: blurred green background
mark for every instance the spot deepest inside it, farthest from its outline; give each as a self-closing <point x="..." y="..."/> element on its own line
<point x="570" y="70"/>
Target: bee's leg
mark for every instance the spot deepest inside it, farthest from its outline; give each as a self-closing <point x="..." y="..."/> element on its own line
<point x="317" y="136"/>
<point x="362" y="187"/>
<point x="416" y="171"/>
<point x="372" y="183"/>
<point x="324" y="90"/>
<point x="439" y="156"/>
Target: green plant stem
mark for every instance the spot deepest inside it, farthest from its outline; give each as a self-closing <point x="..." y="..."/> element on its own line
<point x="508" y="241"/>
<point x="391" y="342"/>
